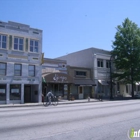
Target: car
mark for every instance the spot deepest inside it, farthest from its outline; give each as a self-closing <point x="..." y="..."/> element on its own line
<point x="137" y="96"/>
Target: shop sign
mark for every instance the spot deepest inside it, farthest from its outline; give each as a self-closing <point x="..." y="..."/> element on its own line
<point x="59" y="78"/>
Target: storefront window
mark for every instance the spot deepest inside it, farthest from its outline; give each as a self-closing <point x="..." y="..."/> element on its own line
<point x="2" y="92"/>
<point x="15" y="92"/>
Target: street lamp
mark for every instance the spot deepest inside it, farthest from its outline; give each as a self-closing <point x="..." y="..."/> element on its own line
<point x="111" y="95"/>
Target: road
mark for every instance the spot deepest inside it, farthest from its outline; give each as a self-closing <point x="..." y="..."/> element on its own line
<point x="110" y="120"/>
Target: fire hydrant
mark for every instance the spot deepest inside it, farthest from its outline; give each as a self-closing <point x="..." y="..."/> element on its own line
<point x="88" y="99"/>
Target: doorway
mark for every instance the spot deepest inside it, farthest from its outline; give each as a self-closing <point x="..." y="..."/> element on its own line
<point x="27" y="94"/>
<point x="81" y="92"/>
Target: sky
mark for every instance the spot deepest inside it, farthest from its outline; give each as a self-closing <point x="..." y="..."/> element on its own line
<point x="72" y="25"/>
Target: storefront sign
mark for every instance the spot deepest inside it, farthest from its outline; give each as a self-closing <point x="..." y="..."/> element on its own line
<point x="59" y="78"/>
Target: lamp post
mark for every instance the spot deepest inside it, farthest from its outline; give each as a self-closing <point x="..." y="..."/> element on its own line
<point x="111" y="96"/>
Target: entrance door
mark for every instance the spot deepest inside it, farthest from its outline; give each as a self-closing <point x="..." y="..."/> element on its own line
<point x="81" y="92"/>
<point x="27" y="94"/>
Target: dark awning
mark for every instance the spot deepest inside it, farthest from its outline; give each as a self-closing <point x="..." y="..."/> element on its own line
<point x="86" y="82"/>
<point x="57" y="78"/>
<point x="103" y="82"/>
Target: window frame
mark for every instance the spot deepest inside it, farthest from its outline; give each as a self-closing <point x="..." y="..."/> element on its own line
<point x="3" y="41"/>
<point x="3" y="69"/>
<point x="100" y="63"/>
<point x="18" y="70"/>
<point x="80" y="73"/>
<point x="15" y="95"/>
<point x="34" y="46"/>
<point x="31" y="70"/>
<point x="18" y="43"/>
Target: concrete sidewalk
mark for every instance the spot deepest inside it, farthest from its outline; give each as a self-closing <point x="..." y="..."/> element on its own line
<point x="61" y="102"/>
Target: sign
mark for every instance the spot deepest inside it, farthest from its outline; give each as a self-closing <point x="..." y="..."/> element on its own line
<point x="58" y="78"/>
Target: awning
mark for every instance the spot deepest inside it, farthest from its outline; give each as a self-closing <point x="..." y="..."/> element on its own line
<point x="137" y="83"/>
<point x="103" y="82"/>
<point x="57" y="78"/>
<point x="84" y="82"/>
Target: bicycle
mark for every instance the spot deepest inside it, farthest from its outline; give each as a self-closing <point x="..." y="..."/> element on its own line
<point x="54" y="101"/>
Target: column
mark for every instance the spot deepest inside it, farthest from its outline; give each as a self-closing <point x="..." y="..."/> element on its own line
<point x="95" y="73"/>
<point x="22" y="93"/>
<point x="7" y="93"/>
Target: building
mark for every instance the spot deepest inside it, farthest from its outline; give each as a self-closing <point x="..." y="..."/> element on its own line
<point x="98" y="61"/>
<point x="66" y="81"/>
<point x="20" y="63"/>
<point x="83" y="85"/>
<point x="55" y="77"/>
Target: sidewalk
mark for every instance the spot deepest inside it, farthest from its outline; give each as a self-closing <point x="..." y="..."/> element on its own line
<point x="61" y="102"/>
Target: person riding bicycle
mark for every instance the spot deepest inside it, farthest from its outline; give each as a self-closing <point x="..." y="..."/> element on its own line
<point x="49" y="95"/>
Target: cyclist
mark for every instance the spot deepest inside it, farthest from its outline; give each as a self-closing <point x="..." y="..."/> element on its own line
<point x="49" y="95"/>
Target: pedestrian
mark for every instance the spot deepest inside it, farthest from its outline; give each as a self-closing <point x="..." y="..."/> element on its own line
<point x="49" y="95"/>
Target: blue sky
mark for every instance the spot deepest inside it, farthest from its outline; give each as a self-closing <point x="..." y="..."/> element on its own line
<point x="72" y="25"/>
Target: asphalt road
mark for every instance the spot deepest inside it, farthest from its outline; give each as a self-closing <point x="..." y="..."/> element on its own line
<point x="110" y="120"/>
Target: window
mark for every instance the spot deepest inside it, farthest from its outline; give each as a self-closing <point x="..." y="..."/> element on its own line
<point x="107" y="64"/>
<point x="2" y="92"/>
<point x="100" y="63"/>
<point x="2" y="68"/>
<point x="80" y="73"/>
<point x="15" y="92"/>
<point x="33" y="46"/>
<point x="17" y="70"/>
<point x="3" y="39"/>
<point x="18" y="44"/>
<point x="31" y="70"/>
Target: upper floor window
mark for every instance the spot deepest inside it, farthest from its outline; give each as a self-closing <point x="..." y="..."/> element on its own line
<point x="2" y="68"/>
<point x="3" y="39"/>
<point x="100" y="63"/>
<point x="31" y="70"/>
<point x="18" y="44"/>
<point x="80" y="73"/>
<point x="33" y="46"/>
<point x="17" y="69"/>
<point x="107" y="64"/>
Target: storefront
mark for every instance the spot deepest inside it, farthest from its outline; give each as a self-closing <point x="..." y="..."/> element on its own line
<point x="83" y="85"/>
<point x="82" y="88"/>
<point x="59" y="83"/>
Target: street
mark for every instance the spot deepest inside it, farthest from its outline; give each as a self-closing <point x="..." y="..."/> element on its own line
<point x="108" y="120"/>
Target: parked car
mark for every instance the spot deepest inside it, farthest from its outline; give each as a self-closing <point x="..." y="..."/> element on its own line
<point x="137" y="95"/>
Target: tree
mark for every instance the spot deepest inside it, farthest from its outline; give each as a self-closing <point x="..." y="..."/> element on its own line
<point x="126" y="52"/>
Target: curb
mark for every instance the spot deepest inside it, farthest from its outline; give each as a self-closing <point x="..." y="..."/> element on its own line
<point x="41" y="104"/>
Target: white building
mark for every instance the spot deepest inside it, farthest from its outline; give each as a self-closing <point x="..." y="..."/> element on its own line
<point x="20" y="63"/>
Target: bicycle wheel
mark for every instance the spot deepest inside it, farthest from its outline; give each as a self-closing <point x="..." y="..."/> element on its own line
<point x="46" y="102"/>
<point x="55" y="101"/>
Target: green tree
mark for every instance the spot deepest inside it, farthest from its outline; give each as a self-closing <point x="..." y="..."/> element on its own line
<point x="126" y="52"/>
